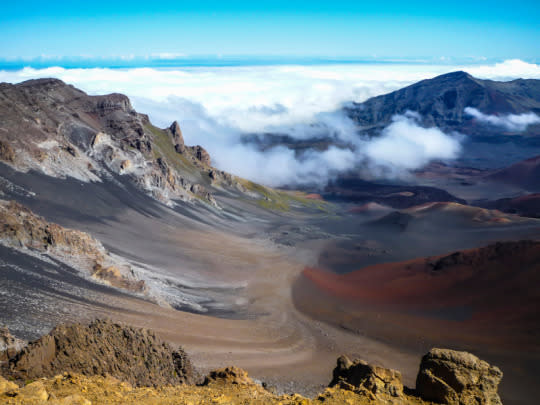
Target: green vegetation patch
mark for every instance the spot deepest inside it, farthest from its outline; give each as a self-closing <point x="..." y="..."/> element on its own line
<point x="281" y="200"/>
<point x="164" y="148"/>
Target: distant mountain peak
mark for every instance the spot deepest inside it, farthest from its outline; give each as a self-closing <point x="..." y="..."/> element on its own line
<point x="441" y="101"/>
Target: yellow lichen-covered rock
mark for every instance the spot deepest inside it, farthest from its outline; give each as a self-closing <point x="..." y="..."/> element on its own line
<point x="7" y="386"/>
<point x="74" y="400"/>
<point x="376" y="380"/>
<point x="76" y="389"/>
<point x="33" y="393"/>
<point x="228" y="375"/>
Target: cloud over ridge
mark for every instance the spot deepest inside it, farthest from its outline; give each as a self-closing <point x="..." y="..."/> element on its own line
<point x="216" y="107"/>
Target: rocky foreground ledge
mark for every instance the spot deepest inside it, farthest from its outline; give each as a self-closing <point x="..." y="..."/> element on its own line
<point x="111" y="363"/>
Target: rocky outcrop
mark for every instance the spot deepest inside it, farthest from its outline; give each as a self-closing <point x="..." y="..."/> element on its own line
<point x="228" y="375"/>
<point x="201" y="154"/>
<point x="6" y="152"/>
<point x="9" y="345"/>
<point x="176" y="136"/>
<point x="21" y="229"/>
<point x="457" y="378"/>
<point x="361" y="376"/>
<point x="103" y="347"/>
<point x="445" y="377"/>
<point x="103" y="361"/>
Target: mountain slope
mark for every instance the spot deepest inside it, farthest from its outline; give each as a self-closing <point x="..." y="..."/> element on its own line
<point x="525" y="174"/>
<point x="442" y="100"/>
<point x="54" y="128"/>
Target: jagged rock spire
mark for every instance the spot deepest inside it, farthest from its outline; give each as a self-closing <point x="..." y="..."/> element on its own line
<point x="176" y="132"/>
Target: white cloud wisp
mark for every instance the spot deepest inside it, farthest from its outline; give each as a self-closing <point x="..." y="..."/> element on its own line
<point x="510" y="122"/>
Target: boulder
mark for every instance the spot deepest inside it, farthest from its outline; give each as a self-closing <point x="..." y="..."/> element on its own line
<point x="359" y="375"/>
<point x="33" y="393"/>
<point x="228" y="375"/>
<point x="7" y="386"/>
<point x="460" y="378"/>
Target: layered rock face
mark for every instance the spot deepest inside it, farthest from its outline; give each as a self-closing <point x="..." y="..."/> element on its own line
<point x="21" y="229"/>
<point x="452" y="377"/>
<point x="56" y="129"/>
<point x="103" y="347"/>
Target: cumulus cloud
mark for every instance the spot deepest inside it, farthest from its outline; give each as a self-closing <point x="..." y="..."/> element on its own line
<point x="511" y="122"/>
<point x="406" y="145"/>
<point x="216" y="107"/>
<point x="507" y="70"/>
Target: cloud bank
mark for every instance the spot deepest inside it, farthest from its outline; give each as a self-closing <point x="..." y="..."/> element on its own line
<point x="405" y="145"/>
<point x="216" y="107"/>
<point x="511" y="122"/>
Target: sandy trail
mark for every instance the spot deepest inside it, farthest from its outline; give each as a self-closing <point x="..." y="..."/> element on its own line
<point x="275" y="342"/>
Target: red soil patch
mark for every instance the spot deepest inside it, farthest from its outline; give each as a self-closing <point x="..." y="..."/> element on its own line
<point x="313" y="196"/>
<point x="371" y="206"/>
<point x="503" y="278"/>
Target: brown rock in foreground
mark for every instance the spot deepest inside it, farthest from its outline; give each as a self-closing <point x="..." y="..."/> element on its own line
<point x="103" y="347"/>
<point x="7" y="386"/>
<point x="452" y="377"/>
<point x="445" y="377"/>
<point x="359" y="374"/>
<point x="105" y="362"/>
<point x="228" y="375"/>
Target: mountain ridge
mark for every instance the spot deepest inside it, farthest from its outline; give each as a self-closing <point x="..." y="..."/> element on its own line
<point x="442" y="100"/>
<point x="53" y="127"/>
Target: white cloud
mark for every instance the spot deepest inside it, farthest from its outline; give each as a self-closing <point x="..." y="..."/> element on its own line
<point x="511" y="122"/>
<point x="405" y="145"/>
<point x="507" y="70"/>
<point x="215" y="106"/>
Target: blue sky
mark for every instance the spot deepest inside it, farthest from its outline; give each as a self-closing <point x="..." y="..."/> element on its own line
<point x="336" y="29"/>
